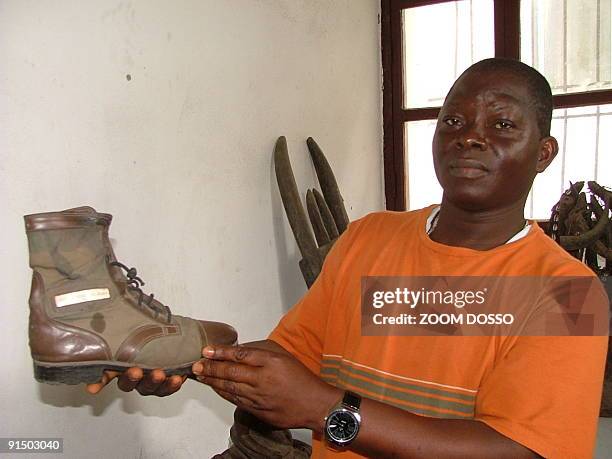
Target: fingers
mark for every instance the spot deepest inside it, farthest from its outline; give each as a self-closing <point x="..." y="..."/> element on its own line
<point x="107" y="377"/>
<point x="240" y="354"/>
<point x="129" y="379"/>
<point x="157" y="383"/>
<point x="237" y="372"/>
<point x="230" y="397"/>
<point x="151" y="382"/>
<point x="241" y="401"/>
<point x="230" y="387"/>
<point x="154" y="383"/>
<point x="170" y="385"/>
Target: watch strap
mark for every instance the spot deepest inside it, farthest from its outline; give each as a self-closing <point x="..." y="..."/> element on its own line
<point x="351" y="400"/>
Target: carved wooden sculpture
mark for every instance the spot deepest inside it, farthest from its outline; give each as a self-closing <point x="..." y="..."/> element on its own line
<point x="326" y="211"/>
<point x="582" y="227"/>
<point x="580" y="222"/>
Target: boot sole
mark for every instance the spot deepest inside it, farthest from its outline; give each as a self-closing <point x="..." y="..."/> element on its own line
<point x="91" y="372"/>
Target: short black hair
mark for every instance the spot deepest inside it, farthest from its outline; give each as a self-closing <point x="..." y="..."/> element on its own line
<point x="541" y="94"/>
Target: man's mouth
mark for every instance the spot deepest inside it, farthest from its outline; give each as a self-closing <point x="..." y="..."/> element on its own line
<point x="467" y="168"/>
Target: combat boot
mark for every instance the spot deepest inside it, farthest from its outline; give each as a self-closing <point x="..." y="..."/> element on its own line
<point x="88" y="312"/>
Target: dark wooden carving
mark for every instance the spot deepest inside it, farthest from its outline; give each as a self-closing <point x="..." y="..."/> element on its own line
<point x="581" y="223"/>
<point x="326" y="211"/>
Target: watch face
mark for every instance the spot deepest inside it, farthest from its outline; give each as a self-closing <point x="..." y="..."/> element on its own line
<point x="342" y="426"/>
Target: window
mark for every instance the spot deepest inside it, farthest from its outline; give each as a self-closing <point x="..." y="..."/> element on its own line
<point x="428" y="43"/>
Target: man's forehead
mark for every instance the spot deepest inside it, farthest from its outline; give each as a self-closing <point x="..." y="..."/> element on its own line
<point x="491" y="87"/>
<point x="491" y="97"/>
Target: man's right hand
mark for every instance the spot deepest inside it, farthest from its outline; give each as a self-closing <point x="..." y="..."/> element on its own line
<point x="154" y="383"/>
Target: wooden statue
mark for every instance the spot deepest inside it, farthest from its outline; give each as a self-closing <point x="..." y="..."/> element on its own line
<point x="326" y="212"/>
<point x="580" y="222"/>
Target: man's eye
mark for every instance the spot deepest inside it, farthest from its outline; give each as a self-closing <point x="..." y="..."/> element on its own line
<point x="502" y="124"/>
<point x="451" y="121"/>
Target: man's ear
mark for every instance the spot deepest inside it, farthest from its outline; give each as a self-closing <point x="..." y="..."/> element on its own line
<point x="548" y="150"/>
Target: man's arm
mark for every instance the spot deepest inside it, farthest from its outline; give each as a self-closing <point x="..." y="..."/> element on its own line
<point x="278" y="389"/>
<point x="392" y="432"/>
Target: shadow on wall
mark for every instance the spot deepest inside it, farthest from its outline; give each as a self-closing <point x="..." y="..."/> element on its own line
<point x="133" y="403"/>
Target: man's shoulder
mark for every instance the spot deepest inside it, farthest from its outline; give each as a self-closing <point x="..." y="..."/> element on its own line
<point x="554" y="258"/>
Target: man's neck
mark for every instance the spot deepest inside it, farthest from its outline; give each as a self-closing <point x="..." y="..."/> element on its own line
<point x="478" y="230"/>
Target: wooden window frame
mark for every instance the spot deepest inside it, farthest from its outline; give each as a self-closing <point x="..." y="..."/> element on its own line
<point x="507" y="44"/>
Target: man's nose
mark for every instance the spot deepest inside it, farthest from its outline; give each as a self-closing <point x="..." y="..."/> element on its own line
<point x="472" y="138"/>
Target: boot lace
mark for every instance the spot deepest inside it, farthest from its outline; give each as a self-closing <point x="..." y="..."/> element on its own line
<point x="134" y="282"/>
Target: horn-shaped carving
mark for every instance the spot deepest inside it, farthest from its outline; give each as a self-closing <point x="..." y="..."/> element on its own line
<point x="329" y="186"/>
<point x="311" y="261"/>
<point x="316" y="220"/>
<point x="326" y="212"/>
<point x="328" y="219"/>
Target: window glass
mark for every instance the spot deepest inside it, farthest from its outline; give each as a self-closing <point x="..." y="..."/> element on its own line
<point x="424" y="187"/>
<point x="440" y="42"/>
<point x="584" y="135"/>
<point x="569" y="42"/>
<point x="585" y="142"/>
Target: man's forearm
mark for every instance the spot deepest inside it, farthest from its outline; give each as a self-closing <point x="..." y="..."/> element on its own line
<point x="387" y="431"/>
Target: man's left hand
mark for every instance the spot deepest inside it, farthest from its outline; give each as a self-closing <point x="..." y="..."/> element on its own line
<point x="275" y="387"/>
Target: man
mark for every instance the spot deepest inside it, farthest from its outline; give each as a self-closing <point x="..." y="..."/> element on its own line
<point x="435" y="396"/>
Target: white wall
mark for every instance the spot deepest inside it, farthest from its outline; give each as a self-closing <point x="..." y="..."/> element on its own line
<point x="181" y="155"/>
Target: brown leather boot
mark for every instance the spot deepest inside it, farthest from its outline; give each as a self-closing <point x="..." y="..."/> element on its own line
<point x="88" y="312"/>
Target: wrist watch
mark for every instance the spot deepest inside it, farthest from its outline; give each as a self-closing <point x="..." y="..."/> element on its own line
<point x="343" y="421"/>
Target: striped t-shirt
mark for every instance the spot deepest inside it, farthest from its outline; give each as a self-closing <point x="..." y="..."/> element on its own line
<point x="542" y="392"/>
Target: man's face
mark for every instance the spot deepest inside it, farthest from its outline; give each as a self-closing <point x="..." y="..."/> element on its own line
<point x="487" y="147"/>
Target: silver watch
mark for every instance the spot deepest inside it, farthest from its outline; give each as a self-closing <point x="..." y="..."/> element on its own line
<point x="343" y="421"/>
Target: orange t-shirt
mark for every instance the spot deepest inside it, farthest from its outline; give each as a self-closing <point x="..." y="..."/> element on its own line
<point x="542" y="392"/>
